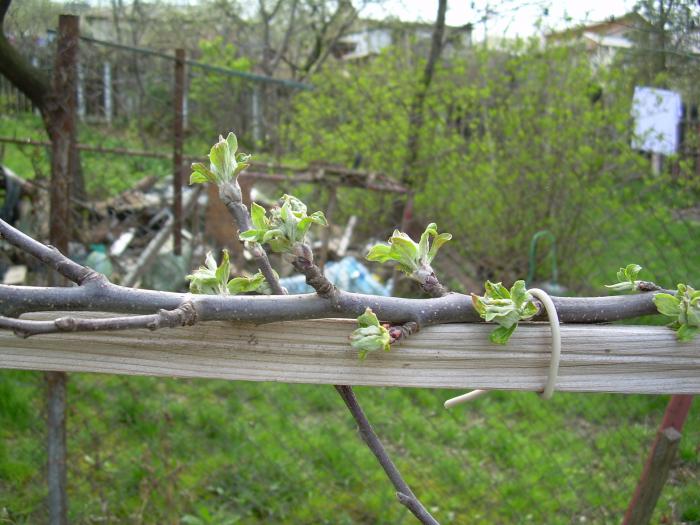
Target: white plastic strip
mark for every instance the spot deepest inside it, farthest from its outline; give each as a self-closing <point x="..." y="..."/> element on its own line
<point x="556" y="341"/>
<point x="553" y="362"/>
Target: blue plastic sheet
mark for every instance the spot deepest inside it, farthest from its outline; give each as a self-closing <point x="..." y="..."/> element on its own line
<point x="348" y="274"/>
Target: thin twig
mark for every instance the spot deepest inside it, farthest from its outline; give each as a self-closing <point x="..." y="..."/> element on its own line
<point x="404" y="493"/>
<point x="184" y="315"/>
<point x="49" y="255"/>
<point x="231" y="196"/>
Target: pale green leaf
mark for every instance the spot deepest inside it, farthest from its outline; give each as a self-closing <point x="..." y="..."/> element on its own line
<point x="437" y="243"/>
<point x="501" y="335"/>
<point x="368" y="318"/>
<point x="379" y="253"/>
<point x="687" y="333"/>
<point x="667" y="304"/>
<point x="257" y="216"/>
<point x="232" y="142"/>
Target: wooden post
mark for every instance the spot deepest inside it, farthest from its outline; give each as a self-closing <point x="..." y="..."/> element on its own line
<point x="178" y="138"/>
<point x="661" y="456"/>
<point x="330" y="210"/>
<point x="63" y="163"/>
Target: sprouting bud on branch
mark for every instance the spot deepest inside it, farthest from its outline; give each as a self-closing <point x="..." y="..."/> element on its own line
<point x="684" y="310"/>
<point x="285" y="229"/>
<point x="371" y="336"/>
<point x="627" y="279"/>
<point x="414" y="259"/>
<point x="214" y="279"/>
<point x="224" y="163"/>
<point x="504" y="307"/>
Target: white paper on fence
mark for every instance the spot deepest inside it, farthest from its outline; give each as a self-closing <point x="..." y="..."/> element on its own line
<point x="657" y="114"/>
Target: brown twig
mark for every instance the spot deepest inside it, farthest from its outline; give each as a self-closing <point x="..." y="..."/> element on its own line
<point x="184" y="315"/>
<point x="230" y="194"/>
<point x="404" y="493"/>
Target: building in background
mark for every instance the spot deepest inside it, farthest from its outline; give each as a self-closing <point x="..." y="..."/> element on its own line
<point x="374" y="36"/>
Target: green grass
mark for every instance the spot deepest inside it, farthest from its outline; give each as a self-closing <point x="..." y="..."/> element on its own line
<point x="147" y="450"/>
<point x="104" y="174"/>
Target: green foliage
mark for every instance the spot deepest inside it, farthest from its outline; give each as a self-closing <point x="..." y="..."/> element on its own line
<point x="684" y="310"/>
<point x="224" y="163"/>
<point x="504" y="307"/>
<point x="371" y="336"/>
<point x="414" y="259"/>
<point x="512" y="142"/>
<point x="285" y="228"/>
<point x="214" y="279"/>
<point x="210" y="94"/>
<point x="627" y="278"/>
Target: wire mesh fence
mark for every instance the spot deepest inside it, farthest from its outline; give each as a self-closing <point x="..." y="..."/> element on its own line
<point x="146" y="450"/>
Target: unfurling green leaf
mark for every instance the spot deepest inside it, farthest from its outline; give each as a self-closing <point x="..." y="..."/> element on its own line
<point x="683" y="309"/>
<point x="213" y="278"/>
<point x="224" y="163"/>
<point x="414" y="259"/>
<point x="501" y="335"/>
<point x="627" y="279"/>
<point x="286" y="226"/>
<point x="370" y="336"/>
<point x="505" y="308"/>
<point x="210" y="278"/>
<point x="667" y="304"/>
<point x="255" y="283"/>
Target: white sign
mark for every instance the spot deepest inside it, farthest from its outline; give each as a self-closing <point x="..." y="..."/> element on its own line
<point x="657" y="113"/>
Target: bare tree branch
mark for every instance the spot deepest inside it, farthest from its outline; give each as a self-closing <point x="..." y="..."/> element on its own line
<point x="27" y="78"/>
<point x="404" y="493"/>
<point x="184" y="315"/>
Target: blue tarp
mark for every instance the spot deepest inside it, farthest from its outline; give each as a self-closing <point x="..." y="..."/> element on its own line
<point x="347" y="274"/>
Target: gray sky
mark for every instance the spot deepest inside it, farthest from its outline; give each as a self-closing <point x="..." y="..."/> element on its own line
<point x="512" y="17"/>
<point x="515" y="17"/>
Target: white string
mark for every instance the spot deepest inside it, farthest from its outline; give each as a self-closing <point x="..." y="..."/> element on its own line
<point x="553" y="362"/>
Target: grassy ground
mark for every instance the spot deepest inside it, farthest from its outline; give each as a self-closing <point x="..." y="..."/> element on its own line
<point x="146" y="450"/>
<point x="104" y="174"/>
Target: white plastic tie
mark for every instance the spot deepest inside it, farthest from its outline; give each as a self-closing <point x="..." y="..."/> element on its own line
<point x="555" y="358"/>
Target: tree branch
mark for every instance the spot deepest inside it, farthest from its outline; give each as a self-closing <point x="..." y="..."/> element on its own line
<point x="27" y="78"/>
<point x="230" y="194"/>
<point x="48" y="255"/>
<point x="404" y="493"/>
<point x="184" y="315"/>
<point x="96" y="293"/>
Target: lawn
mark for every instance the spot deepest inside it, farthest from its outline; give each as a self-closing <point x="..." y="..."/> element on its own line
<point x="147" y="450"/>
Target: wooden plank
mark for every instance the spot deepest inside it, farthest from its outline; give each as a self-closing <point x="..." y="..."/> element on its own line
<point x="624" y="359"/>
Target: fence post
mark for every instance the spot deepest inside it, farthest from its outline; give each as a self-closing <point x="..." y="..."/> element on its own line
<point x="63" y="163"/>
<point x="658" y="464"/>
<point x="178" y="138"/>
